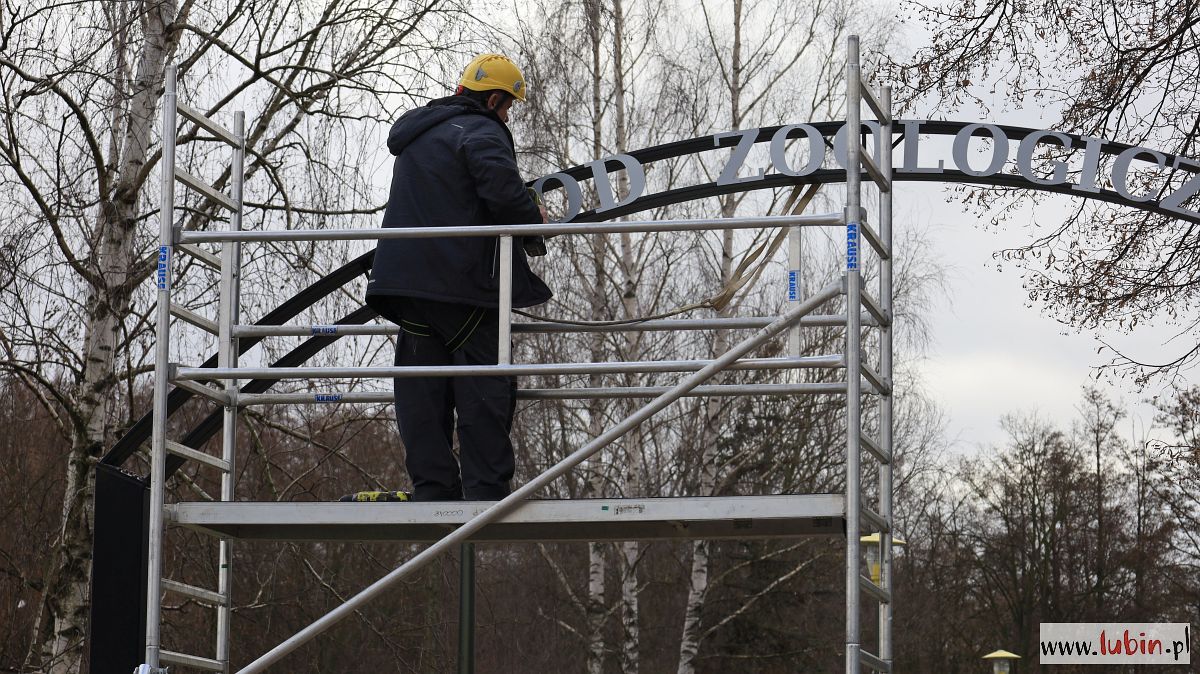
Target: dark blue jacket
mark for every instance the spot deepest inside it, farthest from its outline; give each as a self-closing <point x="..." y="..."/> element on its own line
<point x="455" y="165"/>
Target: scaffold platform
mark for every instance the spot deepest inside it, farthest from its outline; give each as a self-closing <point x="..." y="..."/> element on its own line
<point x="688" y="518"/>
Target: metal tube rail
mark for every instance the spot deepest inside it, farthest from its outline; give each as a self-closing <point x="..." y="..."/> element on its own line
<point x="874" y="171"/>
<point x="193" y="661"/>
<point x="720" y="390"/>
<point x="657" y="325"/>
<point x="204" y="188"/>
<point x="162" y="359"/>
<point x="466" y="579"/>
<point x="203" y="390"/>
<point x="875" y="449"/>
<point x="230" y="314"/>
<point x="233" y="138"/>
<point x="873" y="662"/>
<point x="198" y="456"/>
<point x="630" y="226"/>
<point x="876" y="311"/>
<point x="882" y="110"/>
<point x="195" y="319"/>
<point x="466" y="609"/>
<point x="876" y="521"/>
<point x="878" y="385"/>
<point x="570" y="393"/>
<point x="188" y="374"/>
<point x="202" y="256"/>
<point x="504" y="348"/>
<point x="198" y="593"/>
<point x="796" y="287"/>
<point x="516" y="499"/>
<point x="877" y="593"/>
<point x="872" y="238"/>
<point x="853" y="338"/>
<point x="885" y="371"/>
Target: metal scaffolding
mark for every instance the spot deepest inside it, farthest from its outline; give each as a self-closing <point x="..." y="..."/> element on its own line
<point x="517" y="518"/>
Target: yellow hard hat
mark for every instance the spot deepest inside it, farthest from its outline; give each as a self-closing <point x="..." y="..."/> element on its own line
<point x="488" y="72"/>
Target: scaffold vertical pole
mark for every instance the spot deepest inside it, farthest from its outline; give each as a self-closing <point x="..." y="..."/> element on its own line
<point x="466" y="609"/>
<point x="162" y="359"/>
<point x="795" y="289"/>
<point x="228" y="316"/>
<point x="504" y="347"/>
<point x="466" y="579"/>
<point x="853" y="214"/>
<point x="885" y="371"/>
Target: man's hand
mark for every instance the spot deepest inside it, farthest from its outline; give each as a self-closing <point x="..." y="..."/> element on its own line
<point x="535" y="246"/>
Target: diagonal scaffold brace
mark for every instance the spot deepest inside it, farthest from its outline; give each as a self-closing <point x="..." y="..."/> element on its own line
<point x="519" y="496"/>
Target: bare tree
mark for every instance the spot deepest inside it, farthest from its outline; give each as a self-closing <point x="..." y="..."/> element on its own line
<point x="677" y="84"/>
<point x="1001" y="542"/>
<point x="1170" y="463"/>
<point x="79" y="90"/>
<point x="1120" y="71"/>
<point x="770" y="65"/>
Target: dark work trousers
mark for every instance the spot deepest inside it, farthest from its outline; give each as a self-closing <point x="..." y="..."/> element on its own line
<point x="440" y="333"/>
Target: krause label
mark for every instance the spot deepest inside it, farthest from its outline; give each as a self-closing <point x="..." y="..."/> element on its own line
<point x="324" y="329"/>
<point x="1115" y="644"/>
<point x="793" y="294"/>
<point x="164" y="257"/>
<point x="328" y="397"/>
<point x="852" y="245"/>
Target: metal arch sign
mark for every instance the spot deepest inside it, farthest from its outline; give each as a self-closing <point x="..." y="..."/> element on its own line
<point x="1082" y="166"/>
<point x="736" y="177"/>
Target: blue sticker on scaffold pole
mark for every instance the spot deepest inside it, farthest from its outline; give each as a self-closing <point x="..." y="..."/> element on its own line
<point x="851" y="245"/>
<point x="328" y="397"/>
<point x="324" y="329"/>
<point x="793" y="285"/>
<point x="164" y="257"/>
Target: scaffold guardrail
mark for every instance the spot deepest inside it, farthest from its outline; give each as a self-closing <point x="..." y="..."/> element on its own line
<point x="863" y="311"/>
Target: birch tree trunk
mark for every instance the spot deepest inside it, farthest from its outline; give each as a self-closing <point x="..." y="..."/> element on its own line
<point x="630" y="550"/>
<point x="650" y="109"/>
<point x="692" y="633"/>
<point x="597" y="605"/>
<point x="81" y="87"/>
<point x="66" y="599"/>
<point x="630" y="557"/>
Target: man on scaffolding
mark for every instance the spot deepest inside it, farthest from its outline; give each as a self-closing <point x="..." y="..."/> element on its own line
<point x="455" y="165"/>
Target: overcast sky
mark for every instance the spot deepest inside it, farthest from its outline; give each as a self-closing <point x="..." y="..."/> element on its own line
<point x="993" y="354"/>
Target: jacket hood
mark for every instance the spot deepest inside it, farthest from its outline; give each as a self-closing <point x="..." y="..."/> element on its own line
<point x="419" y="120"/>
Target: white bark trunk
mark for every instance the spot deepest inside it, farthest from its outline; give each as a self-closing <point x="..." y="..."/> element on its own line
<point x="67" y="589"/>
<point x="629" y="299"/>
<point x="692" y="634"/>
<point x="630" y="554"/>
<point x="689" y="644"/>
<point x="596" y="608"/>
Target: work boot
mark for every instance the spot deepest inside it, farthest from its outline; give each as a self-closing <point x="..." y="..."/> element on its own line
<point x="375" y="496"/>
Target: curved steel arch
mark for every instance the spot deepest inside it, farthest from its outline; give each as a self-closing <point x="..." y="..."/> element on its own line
<point x="202" y="432"/>
<point x="828" y="129"/>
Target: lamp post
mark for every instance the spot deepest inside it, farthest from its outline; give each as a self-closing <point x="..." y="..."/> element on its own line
<point x="1001" y="661"/>
<point x="873" y="554"/>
